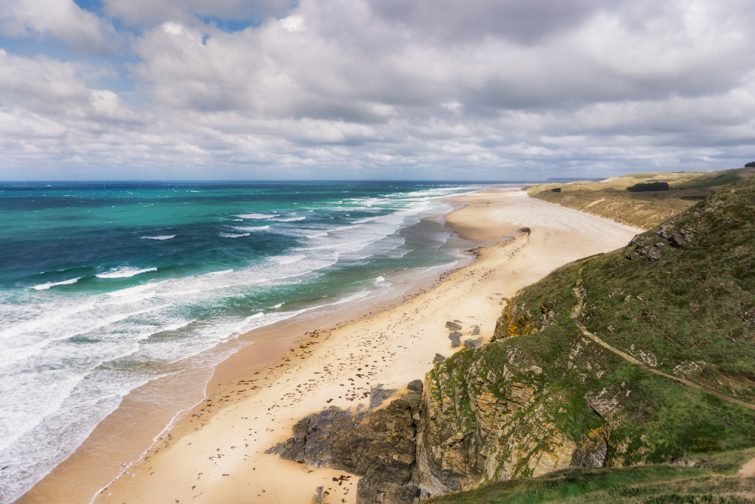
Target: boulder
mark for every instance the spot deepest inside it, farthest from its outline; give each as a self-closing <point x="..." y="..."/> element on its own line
<point x="455" y="338"/>
<point x="453" y="326"/>
<point x="438" y="358"/>
<point x="473" y="343"/>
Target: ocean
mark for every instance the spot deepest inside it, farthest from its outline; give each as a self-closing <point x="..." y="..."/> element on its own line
<point x="106" y="286"/>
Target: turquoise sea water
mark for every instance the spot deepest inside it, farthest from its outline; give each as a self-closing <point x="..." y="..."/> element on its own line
<point x="102" y="285"/>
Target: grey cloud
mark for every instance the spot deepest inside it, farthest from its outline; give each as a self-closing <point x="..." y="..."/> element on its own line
<point x="522" y="21"/>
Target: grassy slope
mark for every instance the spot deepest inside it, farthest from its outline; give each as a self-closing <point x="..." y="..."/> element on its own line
<point x="680" y="299"/>
<point x="609" y="198"/>
<point x="714" y="481"/>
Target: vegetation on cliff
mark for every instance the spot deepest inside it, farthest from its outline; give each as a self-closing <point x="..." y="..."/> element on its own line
<point x="715" y="480"/>
<point x="640" y="356"/>
<point x="660" y="195"/>
<point x="626" y="376"/>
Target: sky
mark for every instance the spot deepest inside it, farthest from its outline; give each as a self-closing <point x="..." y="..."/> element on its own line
<point x="373" y="89"/>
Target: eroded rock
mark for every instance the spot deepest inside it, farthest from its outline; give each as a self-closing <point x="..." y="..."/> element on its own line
<point x="380" y="446"/>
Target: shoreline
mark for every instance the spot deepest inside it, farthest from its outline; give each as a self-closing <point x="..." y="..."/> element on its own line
<point x="259" y="391"/>
<point x="140" y="422"/>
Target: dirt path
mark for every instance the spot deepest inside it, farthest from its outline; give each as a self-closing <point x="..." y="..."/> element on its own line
<point x="577" y="311"/>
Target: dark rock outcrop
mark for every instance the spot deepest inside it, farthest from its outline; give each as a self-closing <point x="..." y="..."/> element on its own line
<point x="750" y="165"/>
<point x="380" y="446"/>
<point x="672" y="234"/>
<point x="313" y="437"/>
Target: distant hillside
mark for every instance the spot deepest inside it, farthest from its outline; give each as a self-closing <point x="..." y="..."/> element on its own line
<point x="636" y="199"/>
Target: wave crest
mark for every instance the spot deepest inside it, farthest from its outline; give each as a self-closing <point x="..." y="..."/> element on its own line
<point x="125" y="272"/>
<point x="50" y="285"/>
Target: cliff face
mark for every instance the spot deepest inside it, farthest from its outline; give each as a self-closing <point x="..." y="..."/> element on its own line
<point x="637" y="356"/>
<point x="643" y="355"/>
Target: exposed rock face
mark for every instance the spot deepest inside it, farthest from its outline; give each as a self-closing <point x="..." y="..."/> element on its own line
<point x="380" y="446"/>
<point x="378" y="395"/>
<point x="486" y="423"/>
<point x="473" y="421"/>
<point x="312" y="441"/>
<point x="542" y="397"/>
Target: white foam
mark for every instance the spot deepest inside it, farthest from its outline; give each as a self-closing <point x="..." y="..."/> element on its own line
<point x="291" y="219"/>
<point x="222" y="272"/>
<point x="318" y="234"/>
<point x="50" y="285"/>
<point x="125" y="272"/>
<point x="233" y="235"/>
<point x="251" y="229"/>
<point x="159" y="237"/>
<point x="256" y="216"/>
<point x="116" y="328"/>
<point x="288" y="259"/>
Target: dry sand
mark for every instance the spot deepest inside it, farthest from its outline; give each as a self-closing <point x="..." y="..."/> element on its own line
<point x="215" y="453"/>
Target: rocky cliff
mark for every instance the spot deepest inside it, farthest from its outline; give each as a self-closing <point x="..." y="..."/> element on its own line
<point x="644" y="355"/>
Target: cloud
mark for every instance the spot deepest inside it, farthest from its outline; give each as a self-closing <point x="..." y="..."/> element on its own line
<point x="151" y="12"/>
<point x="59" y="19"/>
<point x="521" y="21"/>
<point x="380" y="88"/>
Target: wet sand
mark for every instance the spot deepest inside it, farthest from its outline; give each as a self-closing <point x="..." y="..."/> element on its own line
<point x="215" y="452"/>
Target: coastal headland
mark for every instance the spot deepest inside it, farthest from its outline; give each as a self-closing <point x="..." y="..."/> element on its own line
<point x="215" y="451"/>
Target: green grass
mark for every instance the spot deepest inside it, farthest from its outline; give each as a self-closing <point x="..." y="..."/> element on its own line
<point x="610" y="198"/>
<point x="715" y="481"/>
<point x="679" y="298"/>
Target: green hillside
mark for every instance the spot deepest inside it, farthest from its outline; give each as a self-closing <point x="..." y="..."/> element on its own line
<point x="631" y="199"/>
<point x="645" y="355"/>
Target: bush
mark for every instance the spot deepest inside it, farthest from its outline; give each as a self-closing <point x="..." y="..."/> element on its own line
<point x="649" y="186"/>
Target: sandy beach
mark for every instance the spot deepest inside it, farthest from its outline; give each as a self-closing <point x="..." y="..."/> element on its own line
<point x="215" y="452"/>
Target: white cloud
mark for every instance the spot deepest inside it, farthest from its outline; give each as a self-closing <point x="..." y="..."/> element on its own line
<point x="59" y="19"/>
<point x="377" y="88"/>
